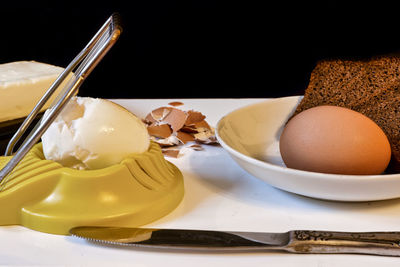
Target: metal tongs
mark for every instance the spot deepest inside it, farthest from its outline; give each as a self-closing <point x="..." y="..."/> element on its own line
<point x="80" y="67"/>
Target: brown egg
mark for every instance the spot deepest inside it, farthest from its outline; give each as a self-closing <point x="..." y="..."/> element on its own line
<point x="330" y="139"/>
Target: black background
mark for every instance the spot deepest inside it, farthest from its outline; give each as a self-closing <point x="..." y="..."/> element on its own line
<point x="203" y="48"/>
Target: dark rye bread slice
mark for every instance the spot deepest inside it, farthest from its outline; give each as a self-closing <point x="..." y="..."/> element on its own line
<point x="369" y="87"/>
<point x="336" y="78"/>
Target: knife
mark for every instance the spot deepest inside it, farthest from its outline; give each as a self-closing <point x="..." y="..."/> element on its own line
<point x="297" y="241"/>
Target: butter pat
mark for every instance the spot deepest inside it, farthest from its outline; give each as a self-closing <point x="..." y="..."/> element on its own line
<point x="22" y="84"/>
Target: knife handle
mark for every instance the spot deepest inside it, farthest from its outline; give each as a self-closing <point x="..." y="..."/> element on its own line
<point x="375" y="243"/>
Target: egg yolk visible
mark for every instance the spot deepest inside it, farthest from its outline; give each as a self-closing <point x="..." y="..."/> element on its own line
<point x="330" y="139"/>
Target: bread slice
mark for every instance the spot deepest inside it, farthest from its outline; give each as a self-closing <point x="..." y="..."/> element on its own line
<point x="370" y="87"/>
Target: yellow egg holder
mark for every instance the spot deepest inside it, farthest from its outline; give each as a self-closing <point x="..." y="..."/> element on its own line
<point x="45" y="196"/>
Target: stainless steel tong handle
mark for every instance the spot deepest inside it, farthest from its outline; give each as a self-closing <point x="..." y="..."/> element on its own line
<point x="80" y="67"/>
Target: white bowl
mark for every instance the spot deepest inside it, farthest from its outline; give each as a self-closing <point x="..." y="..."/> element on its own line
<point x="251" y="136"/>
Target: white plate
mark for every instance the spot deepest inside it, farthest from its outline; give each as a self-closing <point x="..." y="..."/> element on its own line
<point x="219" y="195"/>
<point x="251" y="136"/>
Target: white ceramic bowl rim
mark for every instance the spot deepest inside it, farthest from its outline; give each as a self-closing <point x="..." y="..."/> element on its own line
<point x="316" y="175"/>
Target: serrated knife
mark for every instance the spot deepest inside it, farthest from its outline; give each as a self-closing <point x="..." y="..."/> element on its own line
<point x="298" y="241"/>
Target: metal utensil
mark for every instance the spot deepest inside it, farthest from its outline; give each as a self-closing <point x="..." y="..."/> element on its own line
<point x="298" y="241"/>
<point x="78" y="70"/>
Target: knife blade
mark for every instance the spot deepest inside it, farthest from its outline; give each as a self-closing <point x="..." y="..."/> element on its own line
<point x="296" y="241"/>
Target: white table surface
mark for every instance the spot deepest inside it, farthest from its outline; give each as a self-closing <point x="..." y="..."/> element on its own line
<point x="219" y="195"/>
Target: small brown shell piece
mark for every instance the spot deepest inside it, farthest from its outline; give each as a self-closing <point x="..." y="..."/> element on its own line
<point x="176" y="118"/>
<point x="173" y="153"/>
<point x="194" y="117"/>
<point x="160" y="113"/>
<point x="175" y="103"/>
<point x="160" y="131"/>
<point x="184" y="137"/>
<point x="171" y="127"/>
